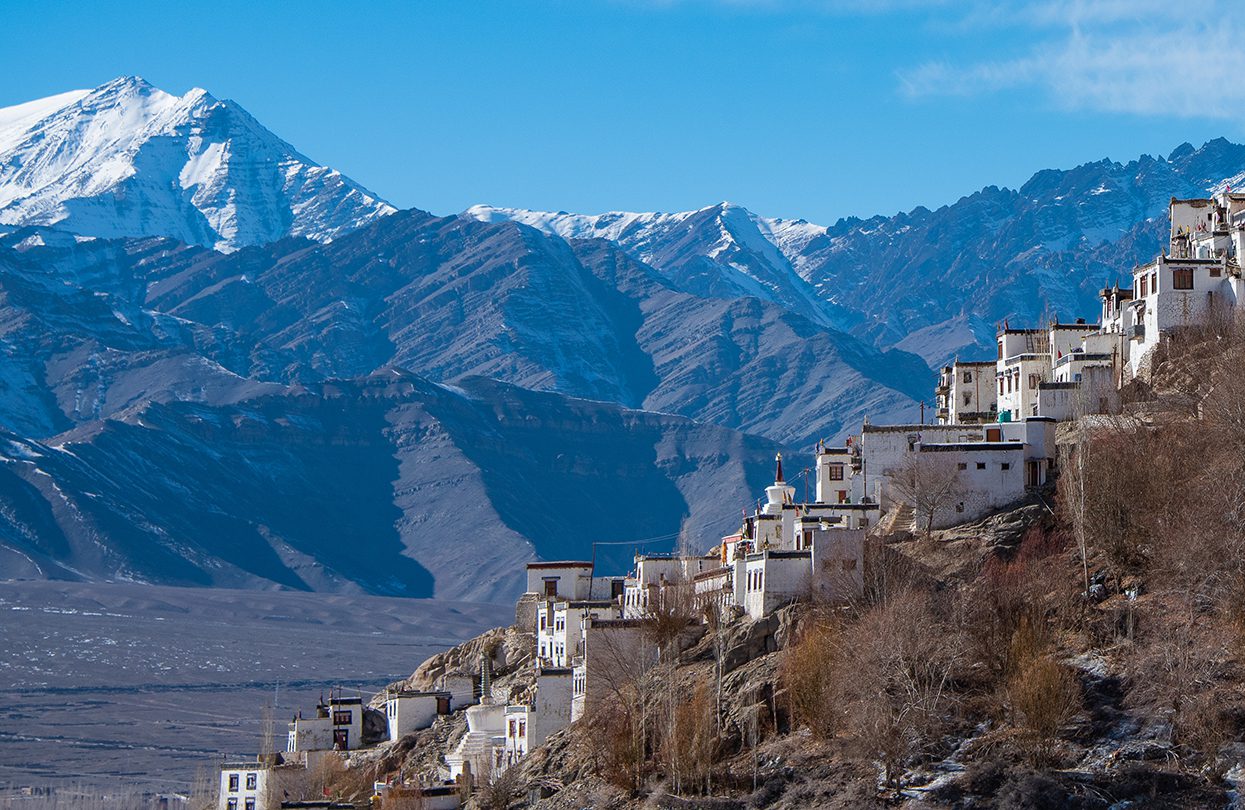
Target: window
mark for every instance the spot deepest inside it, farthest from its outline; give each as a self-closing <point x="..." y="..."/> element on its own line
<point x="1000" y="385"/>
<point x="341" y="717"/>
<point x="968" y="376"/>
<point x="1005" y="465"/>
<point x="232" y="804"/>
<point x="542" y="621"/>
<point x="551" y="587"/>
<point x="968" y="397"/>
<point x="981" y="465"/>
<point x="1182" y="278"/>
<point x="252" y="780"/>
<point x="1000" y="350"/>
<point x="522" y="728"/>
<point x="341" y="739"/>
<point x="513" y="728"/>
<point x="250" y="803"/>
<point x="963" y="465"/>
<point x="1215" y="271"/>
<point x="233" y="783"/>
<point x="836" y="472"/>
<point x="1141" y="286"/>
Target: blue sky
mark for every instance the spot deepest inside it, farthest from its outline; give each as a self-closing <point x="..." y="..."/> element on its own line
<point x="794" y="108"/>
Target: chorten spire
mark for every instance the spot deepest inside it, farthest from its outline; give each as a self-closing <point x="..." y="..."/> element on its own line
<point x="778" y="479"/>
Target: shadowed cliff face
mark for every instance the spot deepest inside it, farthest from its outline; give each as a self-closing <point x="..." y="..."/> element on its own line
<point x="107" y="325"/>
<point x="387" y="485"/>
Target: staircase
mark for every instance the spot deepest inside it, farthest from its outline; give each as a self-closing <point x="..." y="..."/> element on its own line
<point x="475" y="749"/>
<point x="900" y="520"/>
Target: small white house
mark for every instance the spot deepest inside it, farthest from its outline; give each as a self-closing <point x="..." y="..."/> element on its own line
<point x="337" y="726"/>
<point x="654" y="573"/>
<point x="967" y="393"/>
<point x="256" y="785"/>
<point x="558" y="625"/>
<point x="407" y="712"/>
<point x="560" y="580"/>
<point x="529" y="726"/>
<point x="995" y="464"/>
<point x="773" y="579"/>
<point x="616" y="652"/>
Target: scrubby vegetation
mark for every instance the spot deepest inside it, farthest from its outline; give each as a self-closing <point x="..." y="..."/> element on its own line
<point x="1082" y="650"/>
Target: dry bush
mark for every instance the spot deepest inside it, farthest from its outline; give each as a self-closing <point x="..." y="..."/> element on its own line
<point x="1125" y="490"/>
<point x="1003" y="621"/>
<point x="1182" y="670"/>
<point x="808" y="675"/>
<point x="898" y="699"/>
<point x="497" y="792"/>
<point x="614" y="737"/>
<point x="887" y="574"/>
<point x="689" y="743"/>
<point x="1045" y="696"/>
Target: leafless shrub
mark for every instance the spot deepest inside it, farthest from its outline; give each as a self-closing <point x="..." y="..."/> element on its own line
<point x="614" y="736"/>
<point x="1045" y="696"/>
<point x="1183" y="671"/>
<point x="689" y="744"/>
<point x="498" y="790"/>
<point x="901" y="656"/>
<point x="670" y="612"/>
<point x="808" y="677"/>
<point x="887" y="573"/>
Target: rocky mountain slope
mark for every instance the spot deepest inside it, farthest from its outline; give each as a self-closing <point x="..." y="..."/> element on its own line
<point x="147" y="384"/>
<point x="127" y="159"/>
<point x="170" y="265"/>
<point x="388" y="485"/>
<point x="445" y="297"/>
<point x="932" y="282"/>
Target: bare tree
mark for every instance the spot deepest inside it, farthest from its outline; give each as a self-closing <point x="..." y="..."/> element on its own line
<point x="689" y="745"/>
<point x="928" y="482"/>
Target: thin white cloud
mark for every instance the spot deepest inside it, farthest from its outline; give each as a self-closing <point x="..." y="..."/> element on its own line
<point x="1140" y="57"/>
<point x="1144" y="57"/>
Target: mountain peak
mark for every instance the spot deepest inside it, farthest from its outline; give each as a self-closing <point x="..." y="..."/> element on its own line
<point x="133" y="82"/>
<point x="129" y="159"/>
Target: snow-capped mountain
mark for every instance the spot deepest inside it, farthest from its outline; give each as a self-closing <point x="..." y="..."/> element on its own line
<point x="722" y="251"/>
<point x="188" y="403"/>
<point x="128" y="159"/>
<point x="931" y="282"/>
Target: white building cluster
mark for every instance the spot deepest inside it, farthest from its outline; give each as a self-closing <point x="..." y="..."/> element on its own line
<point x="993" y="443"/>
<point x="1065" y="370"/>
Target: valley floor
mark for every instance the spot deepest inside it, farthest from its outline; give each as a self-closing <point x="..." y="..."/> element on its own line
<point x="149" y="686"/>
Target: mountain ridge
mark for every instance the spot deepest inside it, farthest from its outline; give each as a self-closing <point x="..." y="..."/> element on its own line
<point x="932" y="281"/>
